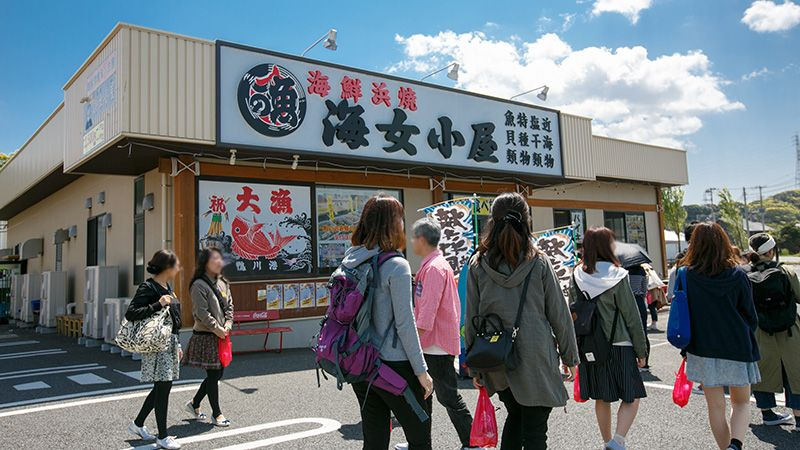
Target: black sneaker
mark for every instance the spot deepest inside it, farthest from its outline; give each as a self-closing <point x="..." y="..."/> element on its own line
<point x="772" y="418"/>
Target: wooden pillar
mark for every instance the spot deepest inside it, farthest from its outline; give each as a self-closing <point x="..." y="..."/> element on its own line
<point x="660" y="211"/>
<point x="184" y="211"/>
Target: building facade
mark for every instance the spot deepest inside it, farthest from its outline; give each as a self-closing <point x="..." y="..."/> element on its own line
<point x="175" y="142"/>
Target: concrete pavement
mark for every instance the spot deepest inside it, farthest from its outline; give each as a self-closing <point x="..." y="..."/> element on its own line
<point x="273" y="400"/>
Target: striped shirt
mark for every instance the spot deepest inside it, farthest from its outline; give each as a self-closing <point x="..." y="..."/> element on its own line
<point x="437" y="307"/>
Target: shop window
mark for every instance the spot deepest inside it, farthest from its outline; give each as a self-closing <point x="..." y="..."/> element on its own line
<point x="95" y="242"/>
<point x="567" y="217"/>
<point x="138" y="230"/>
<point x="338" y="211"/>
<point x="627" y="226"/>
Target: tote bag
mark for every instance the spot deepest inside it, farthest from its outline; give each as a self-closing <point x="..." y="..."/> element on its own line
<point x="679" y="332"/>
<point x="151" y="335"/>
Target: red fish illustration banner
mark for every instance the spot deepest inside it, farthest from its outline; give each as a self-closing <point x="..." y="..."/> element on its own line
<point x="262" y="229"/>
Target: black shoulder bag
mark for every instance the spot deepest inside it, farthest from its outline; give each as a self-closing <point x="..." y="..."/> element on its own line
<point x="493" y="347"/>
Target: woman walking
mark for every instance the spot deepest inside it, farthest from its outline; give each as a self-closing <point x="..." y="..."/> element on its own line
<point x="162" y="368"/>
<point x="600" y="278"/>
<point x="506" y="260"/>
<point x="212" y="309"/>
<point x="776" y="292"/>
<point x="722" y="351"/>
<point x="380" y="230"/>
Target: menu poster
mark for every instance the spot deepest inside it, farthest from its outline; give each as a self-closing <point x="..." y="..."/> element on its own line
<point x="322" y="294"/>
<point x="338" y="212"/>
<point x="274" y="296"/>
<point x="291" y="296"/>
<point x="306" y="295"/>
<point x="261" y="295"/>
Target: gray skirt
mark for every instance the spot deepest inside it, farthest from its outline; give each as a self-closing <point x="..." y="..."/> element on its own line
<point x="162" y="366"/>
<point x="715" y="372"/>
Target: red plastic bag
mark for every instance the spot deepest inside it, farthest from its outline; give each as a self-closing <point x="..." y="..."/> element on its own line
<point x="576" y="389"/>
<point x="225" y="351"/>
<point x="682" y="388"/>
<point x="484" y="423"/>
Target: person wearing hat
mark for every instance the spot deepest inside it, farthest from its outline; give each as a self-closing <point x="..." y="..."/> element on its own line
<point x="776" y="292"/>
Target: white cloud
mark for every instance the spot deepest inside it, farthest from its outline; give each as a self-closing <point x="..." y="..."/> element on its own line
<point x="631" y="95"/>
<point x="628" y="8"/>
<point x="765" y="16"/>
<point x="543" y="24"/>
<point x="567" y="21"/>
<point x="762" y="72"/>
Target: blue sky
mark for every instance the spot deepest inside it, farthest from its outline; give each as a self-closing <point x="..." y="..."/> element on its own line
<point x="705" y="75"/>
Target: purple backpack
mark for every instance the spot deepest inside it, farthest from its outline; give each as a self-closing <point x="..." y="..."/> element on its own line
<point x="344" y="347"/>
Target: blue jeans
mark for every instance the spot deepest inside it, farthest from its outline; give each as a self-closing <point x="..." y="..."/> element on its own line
<point x="766" y="400"/>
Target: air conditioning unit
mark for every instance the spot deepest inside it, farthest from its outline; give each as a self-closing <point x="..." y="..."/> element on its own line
<point x="31" y="292"/>
<point x="102" y="282"/>
<point x="16" y="295"/>
<point x="115" y="309"/>
<point x="54" y="298"/>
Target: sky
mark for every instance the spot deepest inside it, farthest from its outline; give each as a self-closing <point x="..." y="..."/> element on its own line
<point x="719" y="78"/>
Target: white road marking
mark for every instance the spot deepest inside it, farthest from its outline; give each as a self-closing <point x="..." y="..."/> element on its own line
<point x="327" y="426"/>
<point x="31" y="386"/>
<point x="89" y="401"/>
<point x="135" y="374"/>
<point x="43" y="369"/>
<point x="31" y="354"/>
<point x="659" y="344"/>
<point x="51" y="372"/>
<point x="11" y="344"/>
<point x="87" y="379"/>
<point x="8" y="336"/>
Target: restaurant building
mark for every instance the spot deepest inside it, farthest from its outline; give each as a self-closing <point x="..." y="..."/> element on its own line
<point x="170" y="141"/>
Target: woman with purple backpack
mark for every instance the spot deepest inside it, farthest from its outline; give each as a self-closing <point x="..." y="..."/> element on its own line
<point x="380" y="232"/>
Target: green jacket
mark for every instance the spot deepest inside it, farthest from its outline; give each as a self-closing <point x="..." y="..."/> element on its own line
<point x="629" y="324"/>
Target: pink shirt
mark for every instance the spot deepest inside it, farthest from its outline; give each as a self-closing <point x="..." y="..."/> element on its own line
<point x="437" y="307"/>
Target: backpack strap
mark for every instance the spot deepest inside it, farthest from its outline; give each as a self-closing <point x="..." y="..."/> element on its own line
<point x="214" y="288"/>
<point x="614" y="323"/>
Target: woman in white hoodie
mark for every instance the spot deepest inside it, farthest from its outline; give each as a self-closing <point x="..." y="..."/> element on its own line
<point x="600" y="278"/>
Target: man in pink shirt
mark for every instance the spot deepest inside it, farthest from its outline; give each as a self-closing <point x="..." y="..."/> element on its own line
<point x="437" y="310"/>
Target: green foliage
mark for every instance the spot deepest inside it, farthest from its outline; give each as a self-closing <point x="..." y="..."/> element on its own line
<point x="700" y="213"/>
<point x="4" y="157"/>
<point x="731" y="217"/>
<point x="789" y="238"/>
<point x="674" y="213"/>
<point x="779" y="214"/>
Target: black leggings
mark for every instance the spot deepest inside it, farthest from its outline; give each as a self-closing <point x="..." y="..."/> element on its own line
<point x="157" y="399"/>
<point x="525" y="427"/>
<point x="210" y="388"/>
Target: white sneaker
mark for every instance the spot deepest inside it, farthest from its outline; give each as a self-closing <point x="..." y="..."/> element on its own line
<point x="142" y="432"/>
<point x="401" y="446"/>
<point x="169" y="442"/>
<point x="653" y="327"/>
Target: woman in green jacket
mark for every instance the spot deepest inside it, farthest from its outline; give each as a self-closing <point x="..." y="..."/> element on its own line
<point x="600" y="277"/>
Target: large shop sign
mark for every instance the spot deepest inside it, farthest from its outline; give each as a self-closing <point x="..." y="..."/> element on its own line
<point x="269" y="100"/>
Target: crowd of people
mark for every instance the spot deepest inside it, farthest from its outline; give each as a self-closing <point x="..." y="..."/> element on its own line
<point x="744" y="328"/>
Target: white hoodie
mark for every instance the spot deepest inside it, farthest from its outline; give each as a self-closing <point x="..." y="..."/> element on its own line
<point x="605" y="277"/>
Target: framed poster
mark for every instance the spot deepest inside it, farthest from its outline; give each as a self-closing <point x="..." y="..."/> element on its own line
<point x="635" y="229"/>
<point x="263" y="230"/>
<point x="338" y="211"/>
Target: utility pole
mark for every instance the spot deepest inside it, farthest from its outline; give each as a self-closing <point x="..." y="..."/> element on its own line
<point x="710" y="195"/>
<point x="797" y="161"/>
<point x="746" y="212"/>
<point x="761" y="202"/>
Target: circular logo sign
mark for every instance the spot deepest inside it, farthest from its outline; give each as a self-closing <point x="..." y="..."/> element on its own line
<point x="271" y="100"/>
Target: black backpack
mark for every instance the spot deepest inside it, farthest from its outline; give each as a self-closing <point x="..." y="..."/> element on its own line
<point x="593" y="345"/>
<point x="773" y="297"/>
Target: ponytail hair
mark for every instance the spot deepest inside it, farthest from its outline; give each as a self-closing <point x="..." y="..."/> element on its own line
<point x="508" y="235"/>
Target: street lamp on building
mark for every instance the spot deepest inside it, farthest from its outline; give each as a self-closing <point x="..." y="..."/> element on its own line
<point x="541" y="95"/>
<point x="330" y="41"/>
<point x="452" y="74"/>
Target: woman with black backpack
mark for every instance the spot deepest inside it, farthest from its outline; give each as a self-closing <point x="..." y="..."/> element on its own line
<point x="212" y="309"/>
<point x="510" y="281"/>
<point x="776" y="292"/>
<point x="601" y="281"/>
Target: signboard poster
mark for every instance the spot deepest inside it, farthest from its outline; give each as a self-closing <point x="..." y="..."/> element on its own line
<point x="458" y="230"/>
<point x="101" y="92"/>
<point x="338" y="211"/>
<point x="262" y="229"/>
<point x="634" y="226"/>
<point x="276" y="101"/>
<point x="559" y="246"/>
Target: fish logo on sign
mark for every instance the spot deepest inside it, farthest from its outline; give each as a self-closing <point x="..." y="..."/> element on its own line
<point x="271" y="100"/>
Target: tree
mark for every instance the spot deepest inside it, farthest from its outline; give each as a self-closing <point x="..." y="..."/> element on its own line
<point x="731" y="217"/>
<point x="674" y="214"/>
<point x="789" y="238"/>
<point x="4" y="157"/>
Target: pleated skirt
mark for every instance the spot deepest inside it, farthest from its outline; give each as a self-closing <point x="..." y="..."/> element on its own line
<point x="614" y="380"/>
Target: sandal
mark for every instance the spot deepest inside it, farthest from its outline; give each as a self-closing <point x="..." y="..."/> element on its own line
<point x="221" y="423"/>
<point x="198" y="415"/>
